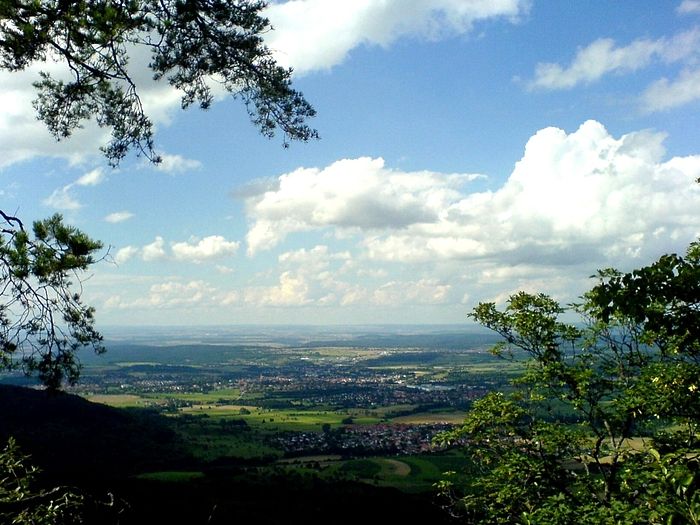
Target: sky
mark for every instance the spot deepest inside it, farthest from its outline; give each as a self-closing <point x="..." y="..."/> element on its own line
<point x="469" y="149"/>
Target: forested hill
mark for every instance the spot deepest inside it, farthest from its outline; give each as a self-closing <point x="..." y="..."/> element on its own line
<point x="72" y="438"/>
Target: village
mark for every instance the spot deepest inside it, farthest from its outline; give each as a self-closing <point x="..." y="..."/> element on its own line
<point x="361" y="441"/>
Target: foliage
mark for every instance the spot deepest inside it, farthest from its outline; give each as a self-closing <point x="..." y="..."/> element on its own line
<point x="193" y="44"/>
<point x="21" y="502"/>
<point x="43" y="322"/>
<point x="627" y="380"/>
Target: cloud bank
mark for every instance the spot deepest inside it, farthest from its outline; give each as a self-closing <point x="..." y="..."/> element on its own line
<point x="195" y="250"/>
<point x="349" y="194"/>
<point x="418" y="241"/>
<point x="577" y="197"/>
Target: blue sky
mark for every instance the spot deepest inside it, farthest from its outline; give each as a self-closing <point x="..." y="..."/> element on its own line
<point x="469" y="149"/>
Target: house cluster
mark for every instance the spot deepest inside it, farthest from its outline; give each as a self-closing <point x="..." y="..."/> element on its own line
<point x="365" y="440"/>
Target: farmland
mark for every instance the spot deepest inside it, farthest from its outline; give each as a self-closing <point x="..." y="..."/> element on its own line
<point x="368" y="403"/>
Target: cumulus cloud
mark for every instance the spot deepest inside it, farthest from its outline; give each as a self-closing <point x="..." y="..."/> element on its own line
<point x="579" y="198"/>
<point x="125" y="254"/>
<point x="198" y="250"/>
<point x="349" y="194"/>
<point x="292" y="290"/>
<point x="194" y="250"/>
<point x="305" y="278"/>
<point x="177" y="164"/>
<point x="168" y="294"/>
<point x="584" y="196"/>
<point x="313" y="260"/>
<point x="118" y="216"/>
<point x="23" y="137"/>
<point x="424" y="291"/>
<point x="176" y="293"/>
<point x="316" y="34"/>
<point x="308" y="276"/>
<point x="154" y="250"/>
<point x="603" y="57"/>
<point x="321" y="277"/>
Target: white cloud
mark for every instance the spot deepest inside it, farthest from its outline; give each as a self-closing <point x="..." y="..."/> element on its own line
<point x="198" y="250"/>
<point x="420" y="242"/>
<point x="603" y="56"/>
<point x="124" y="254"/>
<point x="118" y="216"/>
<point x="176" y="293"/>
<point x="350" y="194"/>
<point x="317" y="34"/>
<point x="572" y="198"/>
<point x="195" y="250"/>
<point x="308" y="276"/>
<point x="168" y="294"/>
<point x="177" y="164"/>
<point x="154" y="250"/>
<point x="584" y="198"/>
<point x="23" y="137"/>
<point x="320" y="277"/>
<point x="61" y="199"/>
<point x="424" y="291"/>
<point x="314" y="260"/>
<point x="666" y="94"/>
<point x="689" y="7"/>
<point x="229" y="298"/>
<point x="292" y="290"/>
<point x="91" y="178"/>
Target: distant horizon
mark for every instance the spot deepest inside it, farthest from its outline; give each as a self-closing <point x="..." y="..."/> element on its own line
<point x="108" y="330"/>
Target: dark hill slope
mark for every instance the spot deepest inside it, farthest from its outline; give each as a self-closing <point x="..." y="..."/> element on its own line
<point x="73" y="439"/>
<point x="286" y="500"/>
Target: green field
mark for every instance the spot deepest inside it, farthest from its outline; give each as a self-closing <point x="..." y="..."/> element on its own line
<point x="123" y="400"/>
<point x="408" y="473"/>
<point x="455" y="418"/>
<point x="171" y="476"/>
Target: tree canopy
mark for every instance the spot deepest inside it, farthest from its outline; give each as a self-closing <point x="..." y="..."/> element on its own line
<point x="602" y="425"/>
<point x="43" y="321"/>
<point x="22" y="503"/>
<point x="193" y="44"/>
